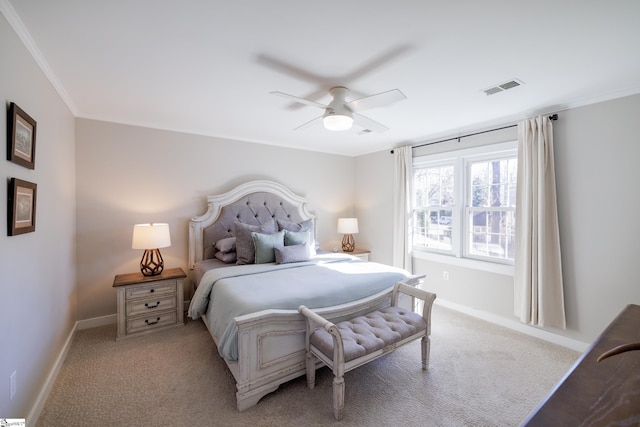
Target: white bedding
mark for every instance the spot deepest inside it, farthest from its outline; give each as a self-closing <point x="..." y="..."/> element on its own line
<point x="325" y="280"/>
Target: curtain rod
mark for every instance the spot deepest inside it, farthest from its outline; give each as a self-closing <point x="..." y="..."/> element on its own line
<point x="551" y="117"/>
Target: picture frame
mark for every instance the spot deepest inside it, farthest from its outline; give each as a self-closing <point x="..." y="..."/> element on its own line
<point x="21" y="207"/>
<point x="21" y="137"/>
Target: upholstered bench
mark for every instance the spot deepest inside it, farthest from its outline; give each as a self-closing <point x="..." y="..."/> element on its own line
<point x="352" y="343"/>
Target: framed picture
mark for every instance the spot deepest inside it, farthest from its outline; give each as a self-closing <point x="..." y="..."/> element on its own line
<point x="21" y="137"/>
<point x="21" y="207"/>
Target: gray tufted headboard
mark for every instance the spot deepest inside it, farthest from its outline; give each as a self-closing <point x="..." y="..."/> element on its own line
<point x="251" y="203"/>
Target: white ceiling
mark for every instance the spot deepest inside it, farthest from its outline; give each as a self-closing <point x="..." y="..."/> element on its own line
<point x="207" y="67"/>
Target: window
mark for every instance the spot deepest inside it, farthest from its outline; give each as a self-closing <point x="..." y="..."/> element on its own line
<point x="464" y="203"/>
<point x="434" y="201"/>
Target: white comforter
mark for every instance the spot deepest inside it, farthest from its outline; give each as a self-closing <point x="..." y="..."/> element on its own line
<point x="324" y="281"/>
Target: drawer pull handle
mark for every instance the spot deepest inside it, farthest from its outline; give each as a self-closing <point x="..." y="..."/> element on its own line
<point x="146" y="304"/>
<point x="619" y="349"/>
<point x="152" y="290"/>
<point x="152" y="323"/>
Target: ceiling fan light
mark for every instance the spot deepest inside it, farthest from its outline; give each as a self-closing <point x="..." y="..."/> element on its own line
<point x="337" y="122"/>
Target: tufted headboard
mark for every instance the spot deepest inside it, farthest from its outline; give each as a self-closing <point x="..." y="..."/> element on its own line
<point x="252" y="203"/>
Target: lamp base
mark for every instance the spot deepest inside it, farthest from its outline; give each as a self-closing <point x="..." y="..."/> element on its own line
<point x="151" y="263"/>
<point x="348" y="243"/>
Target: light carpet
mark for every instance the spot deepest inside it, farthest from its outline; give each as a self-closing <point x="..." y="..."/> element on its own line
<point x="480" y="374"/>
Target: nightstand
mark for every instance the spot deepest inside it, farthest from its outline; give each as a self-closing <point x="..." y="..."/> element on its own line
<point x="149" y="303"/>
<point x="360" y="253"/>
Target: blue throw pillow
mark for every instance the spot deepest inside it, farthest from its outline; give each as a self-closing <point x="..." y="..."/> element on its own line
<point x="296" y="237"/>
<point x="307" y="225"/>
<point x="264" y="246"/>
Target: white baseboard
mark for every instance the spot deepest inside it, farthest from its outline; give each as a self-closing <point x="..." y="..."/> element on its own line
<point x="517" y="326"/>
<point x="109" y="319"/>
<point x="34" y="413"/>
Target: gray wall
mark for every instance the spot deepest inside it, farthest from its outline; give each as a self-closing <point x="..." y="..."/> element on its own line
<point x="37" y="270"/>
<point x="596" y="152"/>
<point x="128" y="175"/>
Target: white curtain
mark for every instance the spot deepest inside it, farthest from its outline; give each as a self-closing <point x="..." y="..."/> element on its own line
<point x="402" y="183"/>
<point x="539" y="297"/>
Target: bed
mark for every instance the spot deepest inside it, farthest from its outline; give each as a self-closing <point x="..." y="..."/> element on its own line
<point x="249" y="307"/>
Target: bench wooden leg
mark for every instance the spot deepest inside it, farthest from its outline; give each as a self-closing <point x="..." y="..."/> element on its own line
<point x="425" y="343"/>
<point x="338" y="397"/>
<point x="311" y="371"/>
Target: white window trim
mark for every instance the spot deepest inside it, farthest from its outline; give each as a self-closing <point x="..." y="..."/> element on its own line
<point x="476" y="264"/>
<point x="456" y="257"/>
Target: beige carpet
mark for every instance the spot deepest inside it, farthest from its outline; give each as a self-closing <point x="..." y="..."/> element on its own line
<point x="479" y="375"/>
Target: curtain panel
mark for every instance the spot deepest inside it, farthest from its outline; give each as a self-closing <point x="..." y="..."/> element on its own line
<point x="538" y="292"/>
<point x="402" y="183"/>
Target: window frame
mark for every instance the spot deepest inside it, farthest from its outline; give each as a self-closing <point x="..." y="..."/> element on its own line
<point x="438" y="163"/>
<point x="460" y="253"/>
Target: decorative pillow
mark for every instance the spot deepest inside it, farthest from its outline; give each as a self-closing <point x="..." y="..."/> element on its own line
<point x="293" y="253"/>
<point x="296" y="237"/>
<point x="265" y="245"/>
<point x="245" y="249"/>
<point x="306" y="225"/>
<point x="228" y="257"/>
<point x="226" y="245"/>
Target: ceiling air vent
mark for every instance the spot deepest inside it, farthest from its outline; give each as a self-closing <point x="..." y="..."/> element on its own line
<point x="502" y="87"/>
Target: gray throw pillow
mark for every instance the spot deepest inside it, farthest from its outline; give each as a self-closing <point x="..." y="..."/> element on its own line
<point x="226" y="257"/>
<point x="265" y="244"/>
<point x="245" y="250"/>
<point x="293" y="253"/>
<point x="307" y="225"/>
<point x="227" y="244"/>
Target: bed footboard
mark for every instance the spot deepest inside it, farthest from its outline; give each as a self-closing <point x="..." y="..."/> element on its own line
<point x="271" y="344"/>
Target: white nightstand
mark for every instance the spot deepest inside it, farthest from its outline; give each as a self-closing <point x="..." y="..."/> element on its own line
<point x="149" y="303"/>
<point x="360" y="253"/>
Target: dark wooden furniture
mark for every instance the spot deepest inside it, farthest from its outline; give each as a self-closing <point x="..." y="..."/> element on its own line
<point x="600" y="393"/>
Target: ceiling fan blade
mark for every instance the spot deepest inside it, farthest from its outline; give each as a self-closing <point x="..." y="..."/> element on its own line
<point x="377" y="100"/>
<point x="368" y="123"/>
<point x="309" y="123"/>
<point x="298" y="99"/>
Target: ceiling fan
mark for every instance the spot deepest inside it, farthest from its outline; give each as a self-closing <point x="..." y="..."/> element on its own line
<point x="340" y="114"/>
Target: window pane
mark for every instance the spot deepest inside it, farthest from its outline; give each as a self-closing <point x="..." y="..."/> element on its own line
<point x="493" y="183"/>
<point x="432" y="229"/>
<point x="492" y="233"/>
<point x="434" y="186"/>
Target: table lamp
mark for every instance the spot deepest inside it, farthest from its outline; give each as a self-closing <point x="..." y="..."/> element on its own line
<point x="348" y="226"/>
<point x="151" y="237"/>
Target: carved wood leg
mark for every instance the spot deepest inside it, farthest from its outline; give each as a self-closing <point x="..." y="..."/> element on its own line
<point x="338" y="397"/>
<point x="425" y="345"/>
<point x="311" y="371"/>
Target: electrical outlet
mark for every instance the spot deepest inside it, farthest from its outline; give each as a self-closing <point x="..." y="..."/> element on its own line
<point x="445" y="275"/>
<point x="13" y="387"/>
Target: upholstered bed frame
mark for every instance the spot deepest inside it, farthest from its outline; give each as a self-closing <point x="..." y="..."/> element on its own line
<point x="251" y="203"/>
<point x="271" y="343"/>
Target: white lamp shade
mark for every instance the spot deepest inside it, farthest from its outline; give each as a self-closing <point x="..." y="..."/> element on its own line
<point x="337" y="122"/>
<point x="151" y="236"/>
<point x="348" y="225"/>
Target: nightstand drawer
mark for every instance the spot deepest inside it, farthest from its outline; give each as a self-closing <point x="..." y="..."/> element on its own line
<point x="151" y="305"/>
<point x="151" y="289"/>
<point x="150" y="322"/>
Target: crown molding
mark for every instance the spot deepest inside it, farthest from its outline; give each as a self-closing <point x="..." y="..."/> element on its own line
<point x="18" y="26"/>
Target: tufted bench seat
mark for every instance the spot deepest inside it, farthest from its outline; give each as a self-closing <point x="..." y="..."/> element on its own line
<point x="352" y="343"/>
